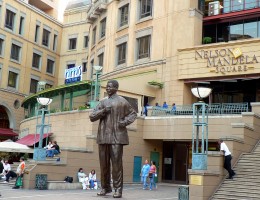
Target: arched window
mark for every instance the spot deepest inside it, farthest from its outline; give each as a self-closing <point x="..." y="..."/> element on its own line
<point x="4" y="120"/>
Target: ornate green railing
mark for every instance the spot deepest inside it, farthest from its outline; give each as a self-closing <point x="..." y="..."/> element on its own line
<point x="213" y="109"/>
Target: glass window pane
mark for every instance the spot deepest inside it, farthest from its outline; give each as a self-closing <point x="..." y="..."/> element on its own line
<point x="250" y="29"/>
<point x="237" y="5"/>
<point x="250" y="4"/>
<point x="236" y="31"/>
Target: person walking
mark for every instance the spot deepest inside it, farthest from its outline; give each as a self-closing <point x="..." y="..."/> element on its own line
<point x="152" y="174"/>
<point x="228" y="157"/>
<point x="19" y="172"/>
<point x="114" y="113"/>
<point x="144" y="174"/>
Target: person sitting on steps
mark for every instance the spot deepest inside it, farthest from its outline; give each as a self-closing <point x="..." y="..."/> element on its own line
<point x="54" y="150"/>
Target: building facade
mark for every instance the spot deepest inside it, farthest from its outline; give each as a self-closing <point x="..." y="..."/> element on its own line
<point x="158" y="51"/>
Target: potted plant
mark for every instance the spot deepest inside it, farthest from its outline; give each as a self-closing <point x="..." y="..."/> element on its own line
<point x="207" y="40"/>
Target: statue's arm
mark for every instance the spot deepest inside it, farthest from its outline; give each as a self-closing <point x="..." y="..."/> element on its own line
<point x="97" y="113"/>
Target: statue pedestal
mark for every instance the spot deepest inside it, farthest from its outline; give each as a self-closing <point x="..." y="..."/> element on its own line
<point x="39" y="154"/>
<point x="199" y="161"/>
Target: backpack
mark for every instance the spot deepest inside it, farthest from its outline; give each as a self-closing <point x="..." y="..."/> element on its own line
<point x="68" y="179"/>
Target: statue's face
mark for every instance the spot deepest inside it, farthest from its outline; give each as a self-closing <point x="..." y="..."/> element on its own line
<point x="110" y="89"/>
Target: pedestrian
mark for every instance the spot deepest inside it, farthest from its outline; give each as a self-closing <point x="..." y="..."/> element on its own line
<point x="152" y="175"/>
<point x="228" y="157"/>
<point x="144" y="174"/>
<point x="173" y="107"/>
<point x="165" y="105"/>
<point x="19" y="172"/>
<point x="114" y="113"/>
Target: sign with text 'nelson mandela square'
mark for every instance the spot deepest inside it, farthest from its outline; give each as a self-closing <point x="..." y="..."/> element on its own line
<point x="73" y="75"/>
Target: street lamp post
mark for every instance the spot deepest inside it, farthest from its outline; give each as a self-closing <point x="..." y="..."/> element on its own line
<point x="94" y="101"/>
<point x="39" y="152"/>
<point x="200" y="128"/>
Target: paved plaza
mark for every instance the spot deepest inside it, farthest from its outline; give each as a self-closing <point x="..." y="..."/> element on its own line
<point x="163" y="192"/>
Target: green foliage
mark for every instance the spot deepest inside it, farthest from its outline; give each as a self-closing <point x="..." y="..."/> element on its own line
<point x="206" y="40"/>
<point x="83" y="107"/>
<point x="155" y="83"/>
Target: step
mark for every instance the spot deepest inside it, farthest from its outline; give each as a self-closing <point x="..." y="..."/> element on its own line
<point x="62" y="185"/>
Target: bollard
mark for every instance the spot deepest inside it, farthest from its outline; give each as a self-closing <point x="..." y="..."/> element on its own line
<point x="183" y="192"/>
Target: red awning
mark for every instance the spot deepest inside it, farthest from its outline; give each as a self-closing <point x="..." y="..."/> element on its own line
<point x="7" y="132"/>
<point x="31" y="139"/>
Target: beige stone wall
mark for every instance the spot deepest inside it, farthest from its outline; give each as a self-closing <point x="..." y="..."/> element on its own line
<point x="7" y="100"/>
<point x="32" y="15"/>
<point x="75" y="26"/>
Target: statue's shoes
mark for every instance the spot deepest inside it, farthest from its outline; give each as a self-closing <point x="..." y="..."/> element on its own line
<point x="103" y="192"/>
<point x="117" y="195"/>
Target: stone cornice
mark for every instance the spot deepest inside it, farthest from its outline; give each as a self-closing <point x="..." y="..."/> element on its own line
<point x="38" y="11"/>
<point x="132" y="67"/>
<point x="13" y="92"/>
<point x="242" y="125"/>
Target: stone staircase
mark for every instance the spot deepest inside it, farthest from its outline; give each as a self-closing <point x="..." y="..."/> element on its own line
<point x="246" y="184"/>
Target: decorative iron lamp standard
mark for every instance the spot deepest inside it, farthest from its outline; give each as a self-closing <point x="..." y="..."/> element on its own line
<point x="39" y="152"/>
<point x="200" y="128"/>
<point x="95" y="100"/>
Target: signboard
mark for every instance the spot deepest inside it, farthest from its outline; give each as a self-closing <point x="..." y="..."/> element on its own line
<point x="196" y="180"/>
<point x="73" y="75"/>
<point x="227" y="60"/>
<point x="168" y="161"/>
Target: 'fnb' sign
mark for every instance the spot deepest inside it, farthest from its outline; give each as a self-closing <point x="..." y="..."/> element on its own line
<point x="73" y="75"/>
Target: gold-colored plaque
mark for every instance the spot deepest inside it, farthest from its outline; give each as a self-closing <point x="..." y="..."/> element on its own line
<point x="196" y="180"/>
<point x="237" y="52"/>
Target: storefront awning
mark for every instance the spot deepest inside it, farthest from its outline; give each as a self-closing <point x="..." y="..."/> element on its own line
<point x="31" y="139"/>
<point x="7" y="132"/>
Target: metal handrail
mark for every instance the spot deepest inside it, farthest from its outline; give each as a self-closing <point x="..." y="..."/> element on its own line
<point x="213" y="109"/>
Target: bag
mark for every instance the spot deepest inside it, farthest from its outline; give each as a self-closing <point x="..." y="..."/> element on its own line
<point x="19" y="181"/>
<point x="68" y="179"/>
<point x="150" y="175"/>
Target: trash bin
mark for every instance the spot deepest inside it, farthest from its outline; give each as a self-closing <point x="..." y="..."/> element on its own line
<point x="183" y="192"/>
<point x="41" y="181"/>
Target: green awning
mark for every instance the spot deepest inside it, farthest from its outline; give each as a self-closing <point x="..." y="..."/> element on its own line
<point x="52" y="92"/>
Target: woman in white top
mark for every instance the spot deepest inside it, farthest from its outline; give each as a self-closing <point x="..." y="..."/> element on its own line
<point x="83" y="179"/>
<point x="92" y="179"/>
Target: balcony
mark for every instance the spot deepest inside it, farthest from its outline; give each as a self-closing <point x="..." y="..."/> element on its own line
<point x="42" y="4"/>
<point x="96" y="9"/>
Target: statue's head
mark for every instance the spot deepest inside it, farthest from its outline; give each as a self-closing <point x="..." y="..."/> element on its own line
<point x="112" y="87"/>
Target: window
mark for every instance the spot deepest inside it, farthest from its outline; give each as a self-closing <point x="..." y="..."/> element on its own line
<point x="54" y="42"/>
<point x="103" y="28"/>
<point x="94" y="36"/>
<point x="91" y="68"/>
<point x="36" y="61"/>
<point x="123" y="15"/>
<point x="70" y="66"/>
<point x="47" y="86"/>
<point x="9" y="19"/>
<point x="84" y="65"/>
<point x="144" y="47"/>
<point x="33" y="86"/>
<point x="145" y="8"/>
<point x="50" y="66"/>
<point x="45" y="37"/>
<point x="85" y="41"/>
<point x="15" y="52"/>
<point x="72" y="43"/>
<point x="121" y="53"/>
<point x="12" y="79"/>
<point x="101" y="59"/>
<point x="36" y="36"/>
<point x="21" y="25"/>
<point x="1" y="46"/>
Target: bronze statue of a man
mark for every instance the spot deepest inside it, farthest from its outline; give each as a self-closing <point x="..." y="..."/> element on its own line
<point x="114" y="113"/>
